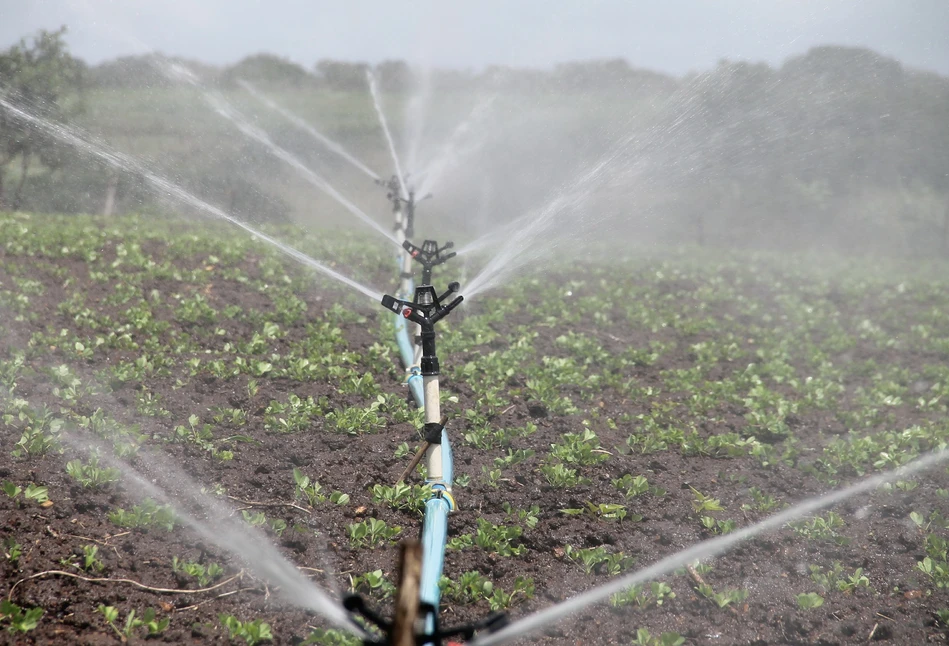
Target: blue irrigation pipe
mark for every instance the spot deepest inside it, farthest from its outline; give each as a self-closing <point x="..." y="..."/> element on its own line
<point x="407" y="347"/>
<point x="441" y="503"/>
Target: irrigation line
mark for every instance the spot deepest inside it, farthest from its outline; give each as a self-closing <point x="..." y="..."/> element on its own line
<point x="700" y="551"/>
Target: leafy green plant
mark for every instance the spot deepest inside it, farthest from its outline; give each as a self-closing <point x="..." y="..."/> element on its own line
<point x="656" y="593"/>
<point x="372" y="582"/>
<point x="471" y="587"/>
<point x="935" y="564"/>
<point x="90" y="475"/>
<point x="147" y="620"/>
<point x="371" y="533"/>
<point x="147" y="514"/>
<point x="645" y="638"/>
<point x="311" y="491"/>
<point x="528" y="516"/>
<point x="822" y="528"/>
<point x="597" y="559"/>
<point x="809" y="601"/>
<point x="252" y="632"/>
<point x="293" y="416"/>
<point x="12" y="551"/>
<point x="701" y="502"/>
<point x="724" y="598"/>
<point x="402" y="496"/>
<point x="17" y="619"/>
<point x="636" y="486"/>
<point x="603" y="510"/>
<point x="579" y="448"/>
<point x="204" y="574"/>
<point x="559" y="475"/>
<point x="36" y="493"/>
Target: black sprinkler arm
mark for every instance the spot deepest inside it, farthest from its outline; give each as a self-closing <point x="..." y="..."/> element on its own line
<point x="429" y="255"/>
<point x="426" y="309"/>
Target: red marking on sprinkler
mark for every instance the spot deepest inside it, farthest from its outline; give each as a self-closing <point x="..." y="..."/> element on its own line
<point x="407" y="312"/>
<point x="415" y="254"/>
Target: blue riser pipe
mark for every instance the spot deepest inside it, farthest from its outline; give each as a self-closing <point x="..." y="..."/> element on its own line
<point x="435" y="531"/>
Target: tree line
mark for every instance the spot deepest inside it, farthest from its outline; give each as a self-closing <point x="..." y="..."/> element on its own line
<point x="838" y="144"/>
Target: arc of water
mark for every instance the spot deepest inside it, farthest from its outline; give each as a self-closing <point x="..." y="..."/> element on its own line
<point x="223" y="107"/>
<point x="220" y="529"/>
<point x="522" y="246"/>
<point x="454" y="149"/>
<point x="169" y="189"/>
<point x="704" y="550"/>
<point x="307" y="128"/>
<point x="374" y="91"/>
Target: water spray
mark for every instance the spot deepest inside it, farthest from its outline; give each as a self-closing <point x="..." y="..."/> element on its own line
<point x="307" y="128"/>
<point x="374" y="91"/>
<point x="169" y="189"/>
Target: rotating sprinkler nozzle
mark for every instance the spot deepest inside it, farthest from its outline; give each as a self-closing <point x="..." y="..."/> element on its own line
<point x="426" y="309"/>
<point x="429" y="255"/>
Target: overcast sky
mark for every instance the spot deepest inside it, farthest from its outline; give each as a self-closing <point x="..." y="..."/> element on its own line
<point x="673" y="36"/>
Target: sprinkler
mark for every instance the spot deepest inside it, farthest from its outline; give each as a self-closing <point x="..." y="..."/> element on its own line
<point x="429" y="255"/>
<point x="393" y="188"/>
<point x="426" y="309"/>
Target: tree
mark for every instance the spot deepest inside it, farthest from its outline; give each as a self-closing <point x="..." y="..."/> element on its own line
<point x="43" y="79"/>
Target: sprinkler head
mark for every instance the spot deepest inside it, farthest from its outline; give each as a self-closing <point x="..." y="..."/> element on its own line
<point x="429" y="255"/>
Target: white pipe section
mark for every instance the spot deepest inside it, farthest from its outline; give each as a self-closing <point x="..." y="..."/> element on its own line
<point x="433" y="415"/>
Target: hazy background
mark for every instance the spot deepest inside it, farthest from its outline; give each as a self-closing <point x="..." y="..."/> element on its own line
<point x="787" y="124"/>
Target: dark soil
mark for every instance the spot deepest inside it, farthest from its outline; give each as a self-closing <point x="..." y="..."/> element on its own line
<point x="898" y="608"/>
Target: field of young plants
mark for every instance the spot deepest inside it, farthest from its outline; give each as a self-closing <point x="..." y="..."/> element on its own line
<point x="603" y="416"/>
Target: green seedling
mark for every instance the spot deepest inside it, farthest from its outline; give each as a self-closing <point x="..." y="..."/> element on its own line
<point x="559" y="475"/>
<point x="715" y="526"/>
<point x="582" y="449"/>
<point x="402" y="496"/>
<point x="761" y="501"/>
<point x="724" y="598"/>
<point x="147" y="514"/>
<point x="472" y="587"/>
<point x="529" y="516"/>
<point x="821" y="528"/>
<point x="372" y="582"/>
<point x="655" y="593"/>
<point x="371" y="533"/>
<point x="645" y="638"/>
<point x="12" y="551"/>
<point x="204" y="574"/>
<point x="809" y="601"/>
<point x="597" y="559"/>
<point x="17" y="619"/>
<point x="705" y="503"/>
<point x="331" y="637"/>
<point x="32" y="492"/>
<point x="90" y="475"/>
<point x="252" y="632"/>
<point x="604" y="511"/>
<point x="636" y="486"/>
<point x="305" y="489"/>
